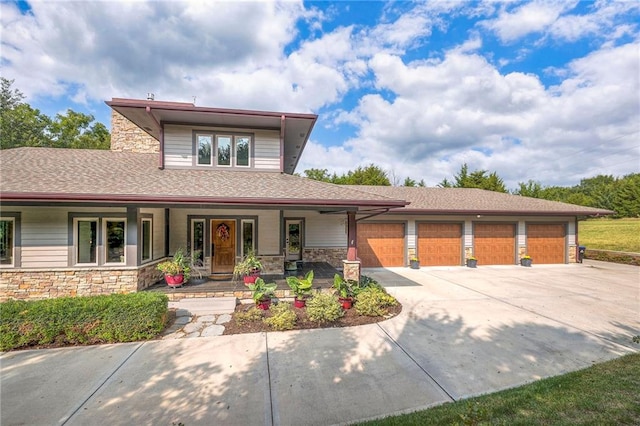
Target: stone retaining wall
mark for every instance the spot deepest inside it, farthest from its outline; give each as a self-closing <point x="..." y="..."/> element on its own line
<point x="33" y="284"/>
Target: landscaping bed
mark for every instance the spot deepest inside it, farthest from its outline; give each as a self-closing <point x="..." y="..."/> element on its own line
<point x="302" y="322"/>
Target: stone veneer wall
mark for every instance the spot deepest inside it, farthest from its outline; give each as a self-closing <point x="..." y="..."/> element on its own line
<point x="126" y="136"/>
<point x="573" y="255"/>
<point x="333" y="256"/>
<point x="272" y="265"/>
<point x="33" y="284"/>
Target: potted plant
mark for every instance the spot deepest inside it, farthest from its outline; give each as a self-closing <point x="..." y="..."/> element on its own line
<point x="262" y="293"/>
<point x="344" y="290"/>
<point x="177" y="270"/>
<point x="249" y="268"/>
<point x="301" y="288"/>
<point x="526" y="260"/>
<point x="472" y="262"/>
<point x="414" y="263"/>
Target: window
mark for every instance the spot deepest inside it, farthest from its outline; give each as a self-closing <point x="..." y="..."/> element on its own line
<point x="242" y="151"/>
<point x="248" y="237"/>
<point x="204" y="149"/>
<point x="7" y="252"/>
<point x="197" y="239"/>
<point x="146" y="240"/>
<point x="114" y="235"/>
<point x="224" y="150"/>
<point x="86" y="241"/>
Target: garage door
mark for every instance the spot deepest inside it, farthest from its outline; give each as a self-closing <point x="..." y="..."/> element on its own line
<point x="381" y="244"/>
<point x="494" y="243"/>
<point x="546" y="243"/>
<point x="440" y="244"/>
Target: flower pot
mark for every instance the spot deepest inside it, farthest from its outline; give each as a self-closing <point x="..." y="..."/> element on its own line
<point x="299" y="303"/>
<point x="251" y="278"/>
<point x="263" y="304"/>
<point x="472" y="263"/>
<point x="526" y="262"/>
<point x="174" y="280"/>
<point x="414" y="264"/>
<point x="346" y="302"/>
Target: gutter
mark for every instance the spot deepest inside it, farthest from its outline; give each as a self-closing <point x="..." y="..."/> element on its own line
<point x="499" y="212"/>
<point x="133" y="198"/>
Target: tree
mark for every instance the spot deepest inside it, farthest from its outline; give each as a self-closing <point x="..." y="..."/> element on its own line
<point x="529" y="189"/>
<point x="369" y="175"/>
<point x="409" y="182"/>
<point x="21" y="125"/>
<point x="475" y="179"/>
<point x="318" y="174"/>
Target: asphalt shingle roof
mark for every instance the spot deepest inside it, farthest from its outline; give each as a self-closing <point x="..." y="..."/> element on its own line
<point x="475" y="201"/>
<point x="83" y="174"/>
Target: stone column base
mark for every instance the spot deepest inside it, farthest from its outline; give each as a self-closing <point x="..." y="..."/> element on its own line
<point x="351" y="270"/>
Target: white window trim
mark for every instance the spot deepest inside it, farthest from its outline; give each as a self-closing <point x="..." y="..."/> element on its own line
<point x="231" y="150"/>
<point x="105" y="243"/>
<point x="213" y="143"/>
<point x="253" y="235"/>
<point x="76" y="242"/>
<point x="150" y="258"/>
<point x="13" y="249"/>
<point x="235" y="151"/>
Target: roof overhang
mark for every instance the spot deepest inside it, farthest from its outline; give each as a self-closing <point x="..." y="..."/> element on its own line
<point x="173" y="201"/>
<point x="409" y="211"/>
<point x="295" y="128"/>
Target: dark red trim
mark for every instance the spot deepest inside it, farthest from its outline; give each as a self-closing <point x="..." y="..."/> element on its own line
<point x="352" y="240"/>
<point x="497" y="212"/>
<point x="184" y="106"/>
<point x="126" y="198"/>
<point x="282" y="127"/>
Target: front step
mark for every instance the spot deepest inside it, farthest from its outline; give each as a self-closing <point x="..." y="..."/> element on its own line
<point x="206" y="305"/>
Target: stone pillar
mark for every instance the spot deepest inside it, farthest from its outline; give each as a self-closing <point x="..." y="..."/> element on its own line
<point x="351" y="270"/>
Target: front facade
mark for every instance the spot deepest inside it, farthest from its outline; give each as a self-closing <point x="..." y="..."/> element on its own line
<point x="220" y="182"/>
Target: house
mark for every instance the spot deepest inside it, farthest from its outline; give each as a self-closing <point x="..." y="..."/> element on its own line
<point x="220" y="181"/>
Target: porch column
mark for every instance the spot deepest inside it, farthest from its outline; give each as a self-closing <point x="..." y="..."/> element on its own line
<point x="132" y="236"/>
<point x="352" y="237"/>
<point x="351" y="266"/>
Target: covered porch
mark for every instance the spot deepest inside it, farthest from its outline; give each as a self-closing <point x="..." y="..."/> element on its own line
<point x="227" y="287"/>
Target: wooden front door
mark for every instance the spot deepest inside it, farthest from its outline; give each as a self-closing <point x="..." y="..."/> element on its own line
<point x="223" y="246"/>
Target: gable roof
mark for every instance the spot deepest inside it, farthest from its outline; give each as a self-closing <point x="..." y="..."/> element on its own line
<point x="149" y="115"/>
<point x="475" y="201"/>
<point x="77" y="175"/>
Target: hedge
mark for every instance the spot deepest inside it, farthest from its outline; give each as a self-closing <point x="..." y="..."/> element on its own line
<point x="82" y="320"/>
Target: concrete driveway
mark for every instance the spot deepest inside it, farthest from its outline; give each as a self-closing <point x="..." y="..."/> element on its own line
<point x="462" y="332"/>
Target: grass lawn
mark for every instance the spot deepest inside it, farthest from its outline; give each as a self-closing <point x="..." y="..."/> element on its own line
<point x="610" y="234"/>
<point x="605" y="394"/>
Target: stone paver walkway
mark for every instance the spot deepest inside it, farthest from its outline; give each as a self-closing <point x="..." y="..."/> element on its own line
<point x="201" y="317"/>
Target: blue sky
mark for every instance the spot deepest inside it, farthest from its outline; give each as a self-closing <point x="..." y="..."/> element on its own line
<point x="544" y="90"/>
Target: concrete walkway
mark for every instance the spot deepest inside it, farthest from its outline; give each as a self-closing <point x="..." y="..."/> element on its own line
<point x="462" y="332"/>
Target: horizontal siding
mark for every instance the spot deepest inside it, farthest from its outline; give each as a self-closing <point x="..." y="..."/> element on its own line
<point x="269" y="232"/>
<point x="267" y="150"/>
<point x="44" y="238"/>
<point x="325" y="231"/>
<point x="178" y="146"/>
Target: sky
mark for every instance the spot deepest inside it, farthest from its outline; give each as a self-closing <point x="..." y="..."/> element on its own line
<point x="543" y="90"/>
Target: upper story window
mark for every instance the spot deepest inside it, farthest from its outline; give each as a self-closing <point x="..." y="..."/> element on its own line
<point x="226" y="150"/>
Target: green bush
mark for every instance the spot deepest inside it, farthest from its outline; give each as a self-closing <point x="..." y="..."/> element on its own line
<point x="324" y="307"/>
<point x="282" y="317"/>
<point x="251" y="315"/>
<point x="82" y="320"/>
<point x="373" y="302"/>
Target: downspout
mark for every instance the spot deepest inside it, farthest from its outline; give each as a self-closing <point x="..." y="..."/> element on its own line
<point x="161" y="130"/>
<point x="282" y="125"/>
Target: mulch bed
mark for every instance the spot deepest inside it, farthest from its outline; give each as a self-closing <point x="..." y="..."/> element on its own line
<point x="349" y="319"/>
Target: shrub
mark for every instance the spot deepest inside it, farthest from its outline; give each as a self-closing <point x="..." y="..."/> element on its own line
<point x="373" y="302"/>
<point x="324" y="307"/>
<point x="251" y="315"/>
<point x="82" y="320"/>
<point x="282" y="317"/>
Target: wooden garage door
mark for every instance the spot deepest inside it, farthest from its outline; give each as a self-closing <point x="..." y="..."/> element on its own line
<point x="440" y="244"/>
<point x="381" y="244"/>
<point x="546" y="243"/>
<point x="494" y="243"/>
